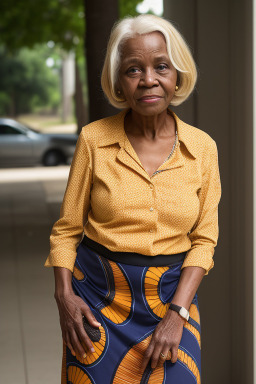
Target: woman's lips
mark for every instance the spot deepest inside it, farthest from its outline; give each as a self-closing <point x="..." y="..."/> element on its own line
<point x="150" y="99"/>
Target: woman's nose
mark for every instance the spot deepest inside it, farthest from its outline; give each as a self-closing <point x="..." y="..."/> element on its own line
<point x="148" y="78"/>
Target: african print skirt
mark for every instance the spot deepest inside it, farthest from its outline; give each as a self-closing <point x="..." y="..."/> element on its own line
<point x="129" y="301"/>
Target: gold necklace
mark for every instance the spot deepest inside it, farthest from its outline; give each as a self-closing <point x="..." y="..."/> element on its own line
<point x="173" y="148"/>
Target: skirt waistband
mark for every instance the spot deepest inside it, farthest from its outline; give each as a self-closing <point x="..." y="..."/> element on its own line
<point x="134" y="258"/>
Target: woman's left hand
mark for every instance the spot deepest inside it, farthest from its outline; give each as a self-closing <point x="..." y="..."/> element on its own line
<point x="166" y="337"/>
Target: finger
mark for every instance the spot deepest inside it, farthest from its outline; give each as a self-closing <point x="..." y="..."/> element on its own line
<point x="79" y="349"/>
<point x="166" y="353"/>
<point x="69" y="345"/>
<point x="147" y="356"/>
<point x="174" y="352"/>
<point x="83" y="336"/>
<point x="86" y="311"/>
<point x="156" y="356"/>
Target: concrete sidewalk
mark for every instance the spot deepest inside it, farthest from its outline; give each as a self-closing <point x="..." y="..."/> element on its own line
<point x="30" y="334"/>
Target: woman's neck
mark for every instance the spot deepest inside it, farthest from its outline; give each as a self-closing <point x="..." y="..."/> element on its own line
<point x="150" y="127"/>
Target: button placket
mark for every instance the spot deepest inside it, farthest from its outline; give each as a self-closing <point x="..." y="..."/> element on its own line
<point x="151" y="209"/>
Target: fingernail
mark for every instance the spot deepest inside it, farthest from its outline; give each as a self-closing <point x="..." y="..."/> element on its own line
<point x="99" y="324"/>
<point x="92" y="349"/>
<point x="84" y="356"/>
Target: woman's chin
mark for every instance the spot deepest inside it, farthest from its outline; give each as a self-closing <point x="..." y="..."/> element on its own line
<point x="150" y="109"/>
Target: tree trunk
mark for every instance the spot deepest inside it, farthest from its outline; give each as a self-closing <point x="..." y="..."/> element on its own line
<point x="80" y="109"/>
<point x="100" y="17"/>
<point x="68" y="86"/>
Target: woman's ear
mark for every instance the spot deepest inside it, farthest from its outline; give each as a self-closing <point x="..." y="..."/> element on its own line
<point x="119" y="91"/>
<point x="178" y="79"/>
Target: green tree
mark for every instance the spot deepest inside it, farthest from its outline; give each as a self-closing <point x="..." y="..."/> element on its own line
<point x="26" y="82"/>
<point x="128" y="7"/>
<point x="24" y="23"/>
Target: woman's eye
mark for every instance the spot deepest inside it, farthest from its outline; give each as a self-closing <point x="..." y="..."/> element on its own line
<point x="162" y="67"/>
<point x="132" y="70"/>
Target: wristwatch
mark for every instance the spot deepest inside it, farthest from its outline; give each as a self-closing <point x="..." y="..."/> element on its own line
<point x="183" y="312"/>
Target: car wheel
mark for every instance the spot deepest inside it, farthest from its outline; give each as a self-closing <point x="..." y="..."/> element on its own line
<point x="53" y="158"/>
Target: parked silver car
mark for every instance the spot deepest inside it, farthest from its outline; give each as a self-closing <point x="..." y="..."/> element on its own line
<point x="23" y="146"/>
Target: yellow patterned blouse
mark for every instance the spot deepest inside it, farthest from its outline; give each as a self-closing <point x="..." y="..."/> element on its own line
<point x="112" y="199"/>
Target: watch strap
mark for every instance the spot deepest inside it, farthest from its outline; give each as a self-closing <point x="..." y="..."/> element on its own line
<point x="182" y="311"/>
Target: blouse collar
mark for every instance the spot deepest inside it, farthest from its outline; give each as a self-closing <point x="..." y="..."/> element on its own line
<point x="117" y="135"/>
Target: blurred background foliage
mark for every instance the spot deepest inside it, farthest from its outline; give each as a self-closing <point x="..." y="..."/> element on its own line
<point x="25" y="23"/>
<point x="35" y="36"/>
<point x="27" y="84"/>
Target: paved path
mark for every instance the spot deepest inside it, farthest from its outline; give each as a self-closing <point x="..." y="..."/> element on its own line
<point x="30" y="335"/>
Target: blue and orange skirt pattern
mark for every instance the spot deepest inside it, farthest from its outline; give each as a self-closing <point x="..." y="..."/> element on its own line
<point x="129" y="301"/>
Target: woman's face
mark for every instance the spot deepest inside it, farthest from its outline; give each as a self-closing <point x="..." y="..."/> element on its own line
<point x="147" y="78"/>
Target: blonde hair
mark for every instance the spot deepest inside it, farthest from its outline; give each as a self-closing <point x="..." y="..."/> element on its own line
<point x="177" y="49"/>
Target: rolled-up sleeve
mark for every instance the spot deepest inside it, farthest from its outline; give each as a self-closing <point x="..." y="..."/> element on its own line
<point x="67" y="232"/>
<point x="205" y="232"/>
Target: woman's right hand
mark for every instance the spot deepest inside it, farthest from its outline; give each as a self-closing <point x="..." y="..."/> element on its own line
<point x="71" y="309"/>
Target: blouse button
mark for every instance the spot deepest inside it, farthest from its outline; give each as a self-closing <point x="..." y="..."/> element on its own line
<point x="151" y="209"/>
<point x="151" y="230"/>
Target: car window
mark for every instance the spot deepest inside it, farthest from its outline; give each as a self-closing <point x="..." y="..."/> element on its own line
<point x="7" y="130"/>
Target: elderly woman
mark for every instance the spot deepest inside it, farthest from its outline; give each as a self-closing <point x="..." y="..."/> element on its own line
<point x="139" y="220"/>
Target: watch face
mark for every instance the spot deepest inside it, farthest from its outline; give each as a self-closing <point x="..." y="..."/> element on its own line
<point x="184" y="313"/>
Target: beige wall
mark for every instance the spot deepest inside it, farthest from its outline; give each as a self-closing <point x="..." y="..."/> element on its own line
<point x="220" y="35"/>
